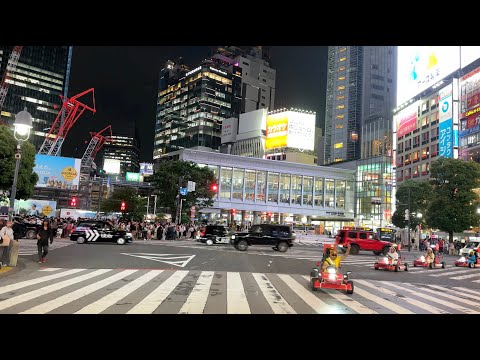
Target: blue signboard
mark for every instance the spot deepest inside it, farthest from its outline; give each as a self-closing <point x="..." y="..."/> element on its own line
<point x="183" y="191"/>
<point x="445" y="140"/>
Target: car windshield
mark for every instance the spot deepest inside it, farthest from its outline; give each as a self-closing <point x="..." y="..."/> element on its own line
<point x="472" y="245"/>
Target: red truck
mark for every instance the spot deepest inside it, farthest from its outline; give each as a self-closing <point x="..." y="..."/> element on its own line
<point x="361" y="240"/>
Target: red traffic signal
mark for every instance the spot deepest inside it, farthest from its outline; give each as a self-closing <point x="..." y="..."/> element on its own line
<point x="73" y="201"/>
<point x="214" y="187"/>
<point x="123" y="206"/>
<point x="232" y="211"/>
<point x="269" y="214"/>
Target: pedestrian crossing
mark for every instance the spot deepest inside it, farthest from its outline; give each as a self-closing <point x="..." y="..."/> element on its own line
<point x="29" y="247"/>
<point x="147" y="291"/>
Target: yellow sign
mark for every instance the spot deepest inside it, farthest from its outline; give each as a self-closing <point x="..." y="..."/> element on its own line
<point x="69" y="173"/>
<point x="277" y="130"/>
<point x="47" y="210"/>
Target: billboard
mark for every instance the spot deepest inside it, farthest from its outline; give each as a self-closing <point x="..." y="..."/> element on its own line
<point x="470" y="92"/>
<point x="130" y="176"/>
<point x="252" y="121"/>
<point x="111" y="166"/>
<point x="57" y="172"/>
<point x="469" y="54"/>
<point x="146" y="169"/>
<point x="420" y="67"/>
<point x="34" y="207"/>
<point x="445" y="127"/>
<point x="229" y="130"/>
<point x="406" y="120"/>
<point x="291" y="129"/>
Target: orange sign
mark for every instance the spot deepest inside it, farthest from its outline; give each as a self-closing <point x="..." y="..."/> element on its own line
<point x="277" y="130"/>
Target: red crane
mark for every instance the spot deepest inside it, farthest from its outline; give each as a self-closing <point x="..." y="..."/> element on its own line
<point x="73" y="109"/>
<point x="93" y="147"/>
<point x="11" y="66"/>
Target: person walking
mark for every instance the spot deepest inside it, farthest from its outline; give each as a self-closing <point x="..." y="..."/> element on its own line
<point x="7" y="231"/>
<point x="44" y="234"/>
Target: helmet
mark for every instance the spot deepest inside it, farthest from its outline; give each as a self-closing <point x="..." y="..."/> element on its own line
<point x="333" y="252"/>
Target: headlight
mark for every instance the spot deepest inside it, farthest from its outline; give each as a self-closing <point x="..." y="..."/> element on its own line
<point x="462" y="259"/>
<point x="233" y="237"/>
<point x="198" y="236"/>
<point x="331" y="270"/>
<point x="129" y="234"/>
<point x="385" y="259"/>
<point x="422" y="258"/>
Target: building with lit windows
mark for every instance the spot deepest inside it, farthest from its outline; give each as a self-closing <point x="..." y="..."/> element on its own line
<point x="260" y="190"/>
<point x="124" y="149"/>
<point x="40" y="77"/>
<point x="192" y="105"/>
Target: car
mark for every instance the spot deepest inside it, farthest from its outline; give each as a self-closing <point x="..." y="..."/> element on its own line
<point x="472" y="245"/>
<point x="280" y="237"/>
<point x="24" y="229"/>
<point x="216" y="234"/>
<point x="365" y="240"/>
<point x="99" y="231"/>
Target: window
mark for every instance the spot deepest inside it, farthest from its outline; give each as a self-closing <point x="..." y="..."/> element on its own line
<point x="341" y="68"/>
<point x="341" y="116"/>
<point x="342" y="58"/>
<point x="340" y="107"/>
<point x="340" y="78"/>
<point x="238" y="175"/>
<point x="273" y="187"/>
<point x="296" y="189"/>
<point x="339" y="126"/>
<point x="285" y="188"/>
<point x="341" y="87"/>
<point x="338" y="145"/>
<point x="340" y="194"/>
<point x="363" y="236"/>
<point x="329" y="192"/>
<point x="318" y="192"/>
<point x="226" y="183"/>
<point x="340" y="97"/>
<point x="261" y="185"/>
<point x="307" y="190"/>
<point x="342" y="49"/>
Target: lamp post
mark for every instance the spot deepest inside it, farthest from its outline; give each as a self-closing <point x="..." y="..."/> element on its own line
<point x="22" y="125"/>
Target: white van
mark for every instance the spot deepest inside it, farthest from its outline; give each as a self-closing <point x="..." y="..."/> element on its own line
<point x="472" y="245"/>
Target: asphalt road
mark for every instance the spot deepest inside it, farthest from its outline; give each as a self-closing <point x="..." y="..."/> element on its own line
<point x="190" y="277"/>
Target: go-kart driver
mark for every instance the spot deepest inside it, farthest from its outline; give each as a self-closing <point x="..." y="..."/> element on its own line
<point x="334" y="259"/>
<point x="472" y="259"/>
<point x="393" y="255"/>
<point x="429" y="256"/>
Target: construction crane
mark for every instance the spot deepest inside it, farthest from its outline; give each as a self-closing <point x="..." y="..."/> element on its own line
<point x="93" y="147"/>
<point x="73" y="109"/>
<point x="11" y="66"/>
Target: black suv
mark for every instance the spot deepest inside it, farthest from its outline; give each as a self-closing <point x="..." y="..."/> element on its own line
<point x="216" y="234"/>
<point x="90" y="231"/>
<point x="24" y="229"/>
<point x="280" y="236"/>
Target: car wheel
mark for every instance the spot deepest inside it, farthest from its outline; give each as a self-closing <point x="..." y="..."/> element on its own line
<point x="443" y="265"/>
<point x="396" y="267"/>
<point x="282" y="246"/>
<point x="406" y="267"/>
<point x="209" y="242"/>
<point x="377" y="252"/>
<point x="81" y="240"/>
<point x="354" y="249"/>
<point x="121" y="241"/>
<point x="375" y="267"/>
<point x="351" y="283"/>
<point x="312" y="283"/>
<point x="30" y="234"/>
<point x="471" y="265"/>
<point x="242" y="245"/>
<point x="385" y="250"/>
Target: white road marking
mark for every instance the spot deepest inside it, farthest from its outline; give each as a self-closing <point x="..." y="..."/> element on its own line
<point x="157" y="296"/>
<point x="461" y="277"/>
<point x="197" y="299"/>
<point x="451" y="272"/>
<point x="385" y="303"/>
<point x="237" y="302"/>
<point x="273" y="297"/>
<point x="457" y="292"/>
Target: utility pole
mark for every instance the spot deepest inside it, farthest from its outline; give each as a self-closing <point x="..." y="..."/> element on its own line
<point x="178" y="219"/>
<point x="408" y="221"/>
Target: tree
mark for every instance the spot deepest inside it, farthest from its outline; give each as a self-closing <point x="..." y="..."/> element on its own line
<point x="26" y="177"/>
<point x="134" y="204"/>
<point x="454" y="204"/>
<point x="420" y="194"/>
<point x="166" y="182"/>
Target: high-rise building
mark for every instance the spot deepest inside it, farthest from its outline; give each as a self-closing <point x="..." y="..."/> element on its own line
<point x="124" y="149"/>
<point x="192" y="105"/>
<point x="40" y="77"/>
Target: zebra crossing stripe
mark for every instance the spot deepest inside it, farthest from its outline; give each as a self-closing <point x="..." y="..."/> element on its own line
<point x="463" y="290"/>
<point x="456" y="298"/>
<point x="414" y="302"/>
<point x="157" y="296"/>
<point x="385" y="303"/>
<point x="451" y="272"/>
<point x="236" y="299"/>
<point x="102" y="304"/>
<point x="431" y="298"/>
<point x="457" y="292"/>
<point x="22" y="284"/>
<point x="197" y="299"/>
<point x="348" y="301"/>
<point x="48" y="289"/>
<point x="77" y="294"/>
<point x="314" y="302"/>
<point x="271" y="294"/>
<point x="465" y="276"/>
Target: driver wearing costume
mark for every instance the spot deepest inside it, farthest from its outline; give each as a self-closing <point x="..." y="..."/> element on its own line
<point x="472" y="259"/>
<point x="393" y="255"/>
<point x="333" y="259"/>
<point x="429" y="256"/>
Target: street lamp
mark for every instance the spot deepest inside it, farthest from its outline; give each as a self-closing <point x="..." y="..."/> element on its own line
<point x="22" y="125"/>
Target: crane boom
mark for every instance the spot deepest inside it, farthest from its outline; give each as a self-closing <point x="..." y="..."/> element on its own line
<point x="11" y="66"/>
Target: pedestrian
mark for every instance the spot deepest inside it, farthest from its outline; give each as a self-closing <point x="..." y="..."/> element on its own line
<point x="7" y="231"/>
<point x="44" y="234"/>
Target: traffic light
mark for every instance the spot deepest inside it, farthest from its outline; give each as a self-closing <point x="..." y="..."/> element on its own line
<point x="269" y="214"/>
<point x="214" y="187"/>
<point x="73" y="201"/>
<point x="232" y="212"/>
<point x="123" y="207"/>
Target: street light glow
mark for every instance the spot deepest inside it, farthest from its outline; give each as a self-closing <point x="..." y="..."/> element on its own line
<point x="21" y="129"/>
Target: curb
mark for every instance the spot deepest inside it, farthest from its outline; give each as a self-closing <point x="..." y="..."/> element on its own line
<point x="9" y="270"/>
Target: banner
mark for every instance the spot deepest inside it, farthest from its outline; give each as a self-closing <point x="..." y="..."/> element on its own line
<point x="57" y="172"/>
<point x="32" y="207"/>
<point x="406" y="120"/>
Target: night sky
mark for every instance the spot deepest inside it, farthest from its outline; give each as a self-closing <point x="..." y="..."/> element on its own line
<point x="125" y="79"/>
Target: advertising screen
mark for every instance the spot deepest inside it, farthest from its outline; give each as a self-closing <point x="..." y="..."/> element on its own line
<point x="57" y="172"/>
<point x="33" y="207"/>
<point x="406" y="120"/>
<point x="420" y="67"/>
<point x="229" y="130"/>
<point x="146" y="168"/>
<point x="470" y="54"/>
<point x="445" y="128"/>
<point x="130" y="176"/>
<point x="301" y="130"/>
<point x="111" y="166"/>
<point x="277" y="130"/>
<point x="470" y="92"/>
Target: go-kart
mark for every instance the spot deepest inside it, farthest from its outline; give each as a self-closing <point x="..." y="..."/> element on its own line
<point x="438" y="263"/>
<point x="387" y="264"/>
<point x="330" y="279"/>
<point x="462" y="261"/>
